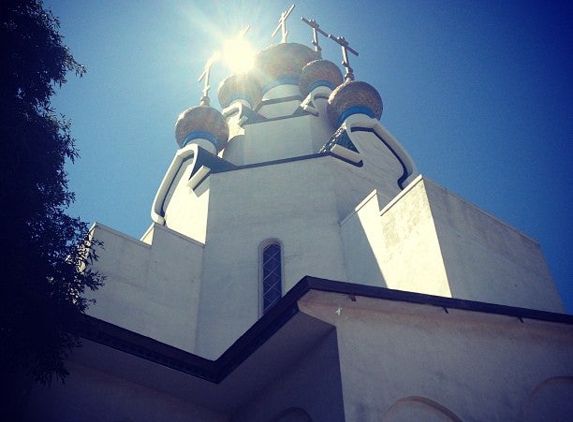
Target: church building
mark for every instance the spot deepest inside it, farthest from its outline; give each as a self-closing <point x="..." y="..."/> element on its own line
<point x="299" y="268"/>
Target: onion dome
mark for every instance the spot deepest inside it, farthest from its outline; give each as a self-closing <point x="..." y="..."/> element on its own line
<point x="353" y="97"/>
<point x="319" y="73"/>
<point x="202" y="122"/>
<point x="282" y="64"/>
<point x="243" y="86"/>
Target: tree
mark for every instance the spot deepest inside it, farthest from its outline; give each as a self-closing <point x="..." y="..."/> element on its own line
<point x="45" y="254"/>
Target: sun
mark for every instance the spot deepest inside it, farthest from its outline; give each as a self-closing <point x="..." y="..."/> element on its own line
<point x="238" y="54"/>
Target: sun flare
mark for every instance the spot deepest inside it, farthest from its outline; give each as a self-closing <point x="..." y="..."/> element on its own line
<point x="238" y="55"/>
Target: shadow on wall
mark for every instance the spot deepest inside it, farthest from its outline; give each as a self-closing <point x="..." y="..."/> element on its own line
<point x="360" y="238"/>
<point x="428" y="240"/>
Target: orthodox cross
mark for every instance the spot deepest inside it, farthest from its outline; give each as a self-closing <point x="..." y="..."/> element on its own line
<point x="345" y="49"/>
<point x="282" y="25"/>
<point x="205" y="76"/>
<point x="244" y="31"/>
<point x="315" y="31"/>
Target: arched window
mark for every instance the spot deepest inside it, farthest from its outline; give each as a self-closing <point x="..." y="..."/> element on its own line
<point x="271" y="274"/>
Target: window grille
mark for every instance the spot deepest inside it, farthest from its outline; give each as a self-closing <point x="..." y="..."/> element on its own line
<point x="272" y="275"/>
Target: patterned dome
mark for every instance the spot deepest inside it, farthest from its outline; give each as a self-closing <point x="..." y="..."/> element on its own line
<point x="353" y="97"/>
<point x="242" y="86"/>
<point x="202" y="122"/>
<point x="282" y="63"/>
<point x="319" y="73"/>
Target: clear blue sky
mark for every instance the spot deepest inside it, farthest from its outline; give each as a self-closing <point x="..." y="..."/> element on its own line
<point x="480" y="93"/>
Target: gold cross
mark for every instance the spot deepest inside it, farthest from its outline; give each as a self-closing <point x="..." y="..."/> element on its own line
<point x="282" y="25"/>
<point x="315" y="31"/>
<point x="205" y="76"/>
<point x="345" y="49"/>
<point x="244" y="31"/>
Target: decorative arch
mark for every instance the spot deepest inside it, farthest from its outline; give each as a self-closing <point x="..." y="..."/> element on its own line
<point x="292" y="414"/>
<point x="550" y="401"/>
<point x="419" y="408"/>
<point x="271" y="273"/>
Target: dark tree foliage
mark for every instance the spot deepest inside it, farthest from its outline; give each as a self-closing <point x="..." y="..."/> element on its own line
<point x="45" y="254"/>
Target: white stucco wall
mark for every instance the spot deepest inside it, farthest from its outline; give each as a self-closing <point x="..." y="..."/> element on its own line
<point x="466" y="365"/>
<point x="293" y="202"/>
<point x="152" y="290"/>
<point x="420" y="239"/>
<point x="351" y="183"/>
<point x="487" y="259"/>
<point x="397" y="249"/>
<point x="428" y="240"/>
<point x="185" y="208"/>
<point x="274" y="140"/>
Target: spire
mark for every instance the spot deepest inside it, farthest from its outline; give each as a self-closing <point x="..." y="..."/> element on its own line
<point x="282" y="25"/>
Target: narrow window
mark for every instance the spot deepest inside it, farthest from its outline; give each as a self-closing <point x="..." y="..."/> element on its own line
<point x="271" y="274"/>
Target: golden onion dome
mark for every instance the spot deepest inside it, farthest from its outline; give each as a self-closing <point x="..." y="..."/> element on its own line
<point x="243" y="86"/>
<point x="202" y="122"/>
<point x="319" y="73"/>
<point x="282" y="64"/>
<point x="353" y="97"/>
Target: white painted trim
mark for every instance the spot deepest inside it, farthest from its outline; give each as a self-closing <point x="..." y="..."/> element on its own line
<point x="320" y="90"/>
<point x="345" y="153"/>
<point x="117" y="233"/>
<point x="198" y="177"/>
<point x="362" y="120"/>
<point x="163" y="191"/>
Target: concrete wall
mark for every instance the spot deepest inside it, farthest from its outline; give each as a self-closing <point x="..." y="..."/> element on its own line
<point x="486" y="258"/>
<point x="93" y="396"/>
<point x="428" y="240"/>
<point x="397" y="247"/>
<point x="292" y="202"/>
<point x="269" y="141"/>
<point x="401" y="361"/>
<point x="299" y="203"/>
<point x="352" y="184"/>
<point x="152" y="290"/>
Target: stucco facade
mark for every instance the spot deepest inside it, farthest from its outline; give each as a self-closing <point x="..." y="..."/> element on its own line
<point x="439" y="310"/>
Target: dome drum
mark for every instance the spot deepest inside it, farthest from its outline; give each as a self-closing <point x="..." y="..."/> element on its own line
<point x="205" y="140"/>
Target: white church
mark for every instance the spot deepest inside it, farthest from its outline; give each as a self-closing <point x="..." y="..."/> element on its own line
<point x="299" y="268"/>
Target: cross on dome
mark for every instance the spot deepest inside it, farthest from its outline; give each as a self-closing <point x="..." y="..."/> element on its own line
<point x="345" y="49"/>
<point x="315" y="31"/>
<point x="282" y="25"/>
<point x="205" y="77"/>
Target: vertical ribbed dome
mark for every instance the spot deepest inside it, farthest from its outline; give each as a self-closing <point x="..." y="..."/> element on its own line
<point x="353" y="97"/>
<point x="202" y="122"/>
<point x="319" y="73"/>
<point x="282" y="64"/>
<point x="242" y="86"/>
